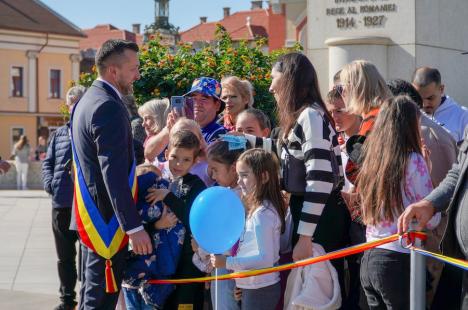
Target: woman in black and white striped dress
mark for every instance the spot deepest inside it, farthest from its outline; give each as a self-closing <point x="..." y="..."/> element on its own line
<point x="308" y="135"/>
<point x="310" y="158"/>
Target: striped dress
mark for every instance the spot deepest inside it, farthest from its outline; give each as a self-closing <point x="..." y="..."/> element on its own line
<point x="311" y="139"/>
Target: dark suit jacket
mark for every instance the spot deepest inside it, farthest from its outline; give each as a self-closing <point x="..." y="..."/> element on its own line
<point x="103" y="142"/>
<point x="449" y="196"/>
<point x="450" y="242"/>
<point x="56" y="169"/>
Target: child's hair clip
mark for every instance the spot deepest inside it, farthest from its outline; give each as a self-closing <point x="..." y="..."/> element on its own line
<point x="234" y="142"/>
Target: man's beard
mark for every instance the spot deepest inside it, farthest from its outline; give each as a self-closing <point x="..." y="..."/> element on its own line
<point x="125" y="89"/>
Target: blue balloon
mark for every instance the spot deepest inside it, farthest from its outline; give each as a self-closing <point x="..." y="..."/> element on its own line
<point x="217" y="219"/>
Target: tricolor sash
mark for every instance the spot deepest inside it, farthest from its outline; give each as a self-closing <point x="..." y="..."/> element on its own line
<point x="105" y="239"/>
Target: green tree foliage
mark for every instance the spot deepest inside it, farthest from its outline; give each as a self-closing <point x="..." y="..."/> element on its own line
<point x="165" y="73"/>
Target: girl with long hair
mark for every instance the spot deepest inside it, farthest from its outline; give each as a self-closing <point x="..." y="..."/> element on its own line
<point x="259" y="245"/>
<point x="388" y="183"/>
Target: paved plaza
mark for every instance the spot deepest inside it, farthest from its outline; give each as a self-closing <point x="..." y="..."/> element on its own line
<point x="28" y="274"/>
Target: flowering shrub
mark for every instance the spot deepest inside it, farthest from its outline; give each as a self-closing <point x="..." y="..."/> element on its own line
<point x="165" y="73"/>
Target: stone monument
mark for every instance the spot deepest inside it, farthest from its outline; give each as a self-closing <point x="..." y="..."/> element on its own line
<point x="398" y="36"/>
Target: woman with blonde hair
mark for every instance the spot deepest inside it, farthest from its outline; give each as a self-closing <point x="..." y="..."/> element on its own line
<point x="21" y="152"/>
<point x="363" y="90"/>
<point x="238" y="96"/>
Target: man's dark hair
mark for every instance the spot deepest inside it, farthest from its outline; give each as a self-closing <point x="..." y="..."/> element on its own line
<point x="425" y="75"/>
<point x="402" y="87"/>
<point x="111" y="49"/>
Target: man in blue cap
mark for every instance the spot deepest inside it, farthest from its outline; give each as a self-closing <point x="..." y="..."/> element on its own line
<point x="205" y="94"/>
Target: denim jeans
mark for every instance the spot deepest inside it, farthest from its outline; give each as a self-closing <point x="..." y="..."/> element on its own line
<point x="226" y="299"/>
<point x="134" y="301"/>
<point x="265" y="298"/>
<point x="385" y="278"/>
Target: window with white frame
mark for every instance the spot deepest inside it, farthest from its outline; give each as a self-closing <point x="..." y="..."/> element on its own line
<point x="17" y="86"/>
<point x="55" y="83"/>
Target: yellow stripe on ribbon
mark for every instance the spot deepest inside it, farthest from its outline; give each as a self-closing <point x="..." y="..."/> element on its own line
<point x="450" y="260"/>
<point x="309" y="261"/>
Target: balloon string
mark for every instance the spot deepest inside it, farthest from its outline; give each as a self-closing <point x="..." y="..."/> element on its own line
<point x="216" y="288"/>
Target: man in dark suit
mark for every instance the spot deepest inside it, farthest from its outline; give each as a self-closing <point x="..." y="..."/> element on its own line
<point x="450" y="196"/>
<point x="103" y="150"/>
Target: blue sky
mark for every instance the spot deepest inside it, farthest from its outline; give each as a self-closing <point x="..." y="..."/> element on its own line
<point x="124" y="13"/>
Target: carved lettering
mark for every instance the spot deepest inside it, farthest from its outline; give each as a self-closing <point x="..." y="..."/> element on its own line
<point x="360" y="13"/>
<point x="378" y="8"/>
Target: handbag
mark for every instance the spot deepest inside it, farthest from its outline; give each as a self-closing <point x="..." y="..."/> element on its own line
<point x="293" y="176"/>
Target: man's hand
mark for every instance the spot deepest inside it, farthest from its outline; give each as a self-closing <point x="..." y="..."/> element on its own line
<point x="218" y="261"/>
<point x="156" y="194"/>
<point x="422" y="211"/>
<point x="167" y="219"/>
<point x="141" y="242"/>
<point x="303" y="248"/>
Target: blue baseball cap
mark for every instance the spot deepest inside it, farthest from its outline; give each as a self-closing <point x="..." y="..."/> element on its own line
<point x="206" y="86"/>
<point x="209" y="87"/>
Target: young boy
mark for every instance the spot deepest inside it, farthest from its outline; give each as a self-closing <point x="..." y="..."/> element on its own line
<point x="182" y="152"/>
<point x="167" y="234"/>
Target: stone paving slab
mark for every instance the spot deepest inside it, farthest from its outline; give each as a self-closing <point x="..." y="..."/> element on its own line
<point x="28" y="274"/>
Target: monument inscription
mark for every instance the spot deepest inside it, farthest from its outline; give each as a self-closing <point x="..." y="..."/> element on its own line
<point x="351" y="14"/>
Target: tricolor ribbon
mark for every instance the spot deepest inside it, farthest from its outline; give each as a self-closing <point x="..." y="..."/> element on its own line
<point x="408" y="237"/>
<point x="453" y="261"/>
<point x="308" y="261"/>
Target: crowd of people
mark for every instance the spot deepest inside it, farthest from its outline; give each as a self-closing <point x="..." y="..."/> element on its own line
<point x="353" y="166"/>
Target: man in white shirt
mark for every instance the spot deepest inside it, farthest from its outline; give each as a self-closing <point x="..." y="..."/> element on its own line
<point x="441" y="108"/>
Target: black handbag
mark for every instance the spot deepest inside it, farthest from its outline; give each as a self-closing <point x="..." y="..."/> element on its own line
<point x="293" y="175"/>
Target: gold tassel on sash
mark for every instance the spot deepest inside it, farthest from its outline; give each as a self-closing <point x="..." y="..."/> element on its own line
<point x="111" y="285"/>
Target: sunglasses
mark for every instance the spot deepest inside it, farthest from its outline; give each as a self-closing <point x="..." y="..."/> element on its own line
<point x="339" y="88"/>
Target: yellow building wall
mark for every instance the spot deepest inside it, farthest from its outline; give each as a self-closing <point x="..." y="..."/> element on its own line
<point x="7" y="123"/>
<point x="9" y="58"/>
<point x="48" y="61"/>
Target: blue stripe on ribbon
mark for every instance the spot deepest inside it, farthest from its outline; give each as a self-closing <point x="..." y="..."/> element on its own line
<point x="428" y="254"/>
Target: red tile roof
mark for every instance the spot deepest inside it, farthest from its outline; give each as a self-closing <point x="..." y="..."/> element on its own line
<point x="235" y="24"/>
<point x="35" y="16"/>
<point x="101" y="33"/>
